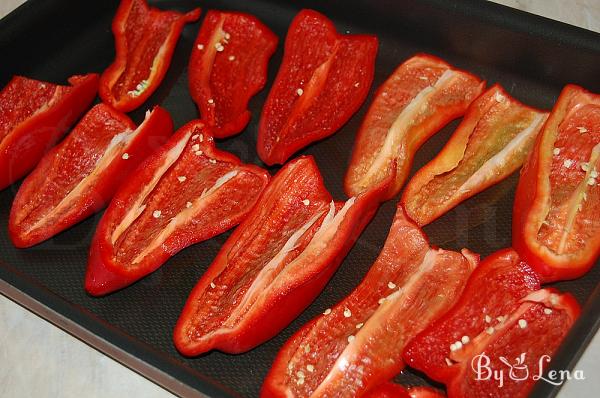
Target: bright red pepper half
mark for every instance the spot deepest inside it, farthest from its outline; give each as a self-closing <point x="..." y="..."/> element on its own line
<point x="184" y="193"/>
<point x="323" y="79"/>
<point x="227" y="67"/>
<point x="500" y="320"/>
<point x="34" y="115"/>
<point x="79" y="176"/>
<point x="556" y="216"/>
<point x="358" y="344"/>
<point x="416" y="101"/>
<point x="492" y="141"/>
<point x="145" y="38"/>
<point x="391" y="390"/>
<point x="274" y="264"/>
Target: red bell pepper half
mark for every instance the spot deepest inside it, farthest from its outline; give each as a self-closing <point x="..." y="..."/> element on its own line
<point x="145" y="38"/>
<point x="79" y="176"/>
<point x="391" y="390"/>
<point x="34" y="115"/>
<point x="186" y="192"/>
<point x="323" y="79"/>
<point x="358" y="344"/>
<point x="501" y="323"/>
<point x="416" y="101"/>
<point x="492" y="141"/>
<point x="227" y="67"/>
<point x="274" y="264"/>
<point x="556" y="216"/>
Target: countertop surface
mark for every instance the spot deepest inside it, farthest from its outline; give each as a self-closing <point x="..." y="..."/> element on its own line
<point x="37" y="359"/>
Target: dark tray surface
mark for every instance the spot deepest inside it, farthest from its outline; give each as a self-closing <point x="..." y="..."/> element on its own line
<point x="530" y="56"/>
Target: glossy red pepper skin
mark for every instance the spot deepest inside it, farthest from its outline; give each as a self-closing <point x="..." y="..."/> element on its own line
<point x="357" y="345"/>
<point x="228" y="66"/>
<point x="34" y="115"/>
<point x="274" y="264"/>
<point x="556" y="223"/>
<point x="79" y="176"/>
<point x="391" y="390"/>
<point x="501" y="314"/>
<point x="145" y="39"/>
<point x="323" y="80"/>
<point x="184" y="193"/>
<point x="491" y="142"/>
<point x="420" y="97"/>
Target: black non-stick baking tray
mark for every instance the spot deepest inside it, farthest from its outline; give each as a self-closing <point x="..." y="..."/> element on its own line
<point x="530" y="56"/>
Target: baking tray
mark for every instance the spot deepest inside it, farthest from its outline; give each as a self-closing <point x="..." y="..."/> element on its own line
<point x="532" y="57"/>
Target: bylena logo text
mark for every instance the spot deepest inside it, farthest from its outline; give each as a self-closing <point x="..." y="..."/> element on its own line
<point x="518" y="370"/>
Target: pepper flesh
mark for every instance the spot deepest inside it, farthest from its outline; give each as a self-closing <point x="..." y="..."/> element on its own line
<point x="145" y="39"/>
<point x="416" y="101"/>
<point x="501" y="314"/>
<point x="491" y="142"/>
<point x="34" y="115"/>
<point x="494" y="290"/>
<point x="323" y="79"/>
<point x="79" y="176"/>
<point x="228" y="66"/>
<point x="556" y="215"/>
<point x="274" y="264"/>
<point x="357" y="345"/>
<point x="184" y="193"/>
<point x="391" y="390"/>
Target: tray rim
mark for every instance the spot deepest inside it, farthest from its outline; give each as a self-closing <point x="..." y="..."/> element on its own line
<point x="63" y="314"/>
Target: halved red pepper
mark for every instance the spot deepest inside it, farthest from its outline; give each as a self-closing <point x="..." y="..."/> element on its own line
<point x="34" y="115"/>
<point x="501" y="323"/>
<point x="416" y="101"/>
<point x="274" y="264"/>
<point x="227" y="67"/>
<point x="79" y="176"/>
<point x="492" y="141"/>
<point x="323" y="79"/>
<point x="493" y="291"/>
<point x="358" y="344"/>
<point x="391" y="390"/>
<point x="145" y="39"/>
<point x="556" y="216"/>
<point x="184" y="193"/>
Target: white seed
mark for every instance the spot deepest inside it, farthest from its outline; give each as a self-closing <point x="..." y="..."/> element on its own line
<point x="196" y="147"/>
<point x="547" y="311"/>
<point x="488" y="319"/>
<point x="227" y="36"/>
<point x="212" y="285"/>
<point x="347" y="313"/>
<point x="585" y="166"/>
<point x="188" y="204"/>
<point x="213" y="161"/>
<point x="359" y="325"/>
<point x="499" y="97"/>
<point x="307" y="348"/>
<point x="448" y="362"/>
<point x="591" y="181"/>
<point x="211" y="101"/>
<point x="306" y="202"/>
<point x="201" y="137"/>
<point x="594" y="174"/>
<point x="556" y="151"/>
<point x="200" y="47"/>
<point x="156" y="213"/>
<point x="195" y="137"/>
<point x="219" y="47"/>
<point x="423" y="78"/>
<point x="568" y="163"/>
<point x="582" y="129"/>
<point x="181" y="178"/>
<point x="584" y="196"/>
<point x="453" y="347"/>
<point x="465" y="339"/>
<point x="299" y="92"/>
<point x="125" y="156"/>
<point x="300" y="382"/>
<point x="490" y="330"/>
<point x="310" y="368"/>
<point x="522" y="323"/>
<point x="350" y="339"/>
<point x="391" y="285"/>
<point x="356" y="84"/>
<point x="458" y="345"/>
<point x="231" y="57"/>
<point x="327" y="311"/>
<point x="300" y="374"/>
<point x="553" y="299"/>
<point x="198" y="153"/>
<point x="381" y="300"/>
